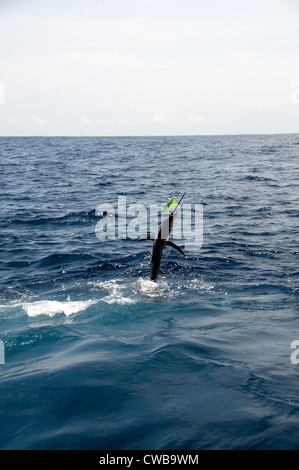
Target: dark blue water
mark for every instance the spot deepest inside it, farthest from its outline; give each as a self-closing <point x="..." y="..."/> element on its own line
<point x="95" y="358"/>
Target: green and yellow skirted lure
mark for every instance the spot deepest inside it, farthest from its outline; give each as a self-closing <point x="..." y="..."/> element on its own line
<point x="169" y="204"/>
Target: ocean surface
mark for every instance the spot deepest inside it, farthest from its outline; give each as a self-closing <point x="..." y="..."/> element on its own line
<point x="97" y="356"/>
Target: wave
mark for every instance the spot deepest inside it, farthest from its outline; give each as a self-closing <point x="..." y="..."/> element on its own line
<point x="58" y="259"/>
<point x="79" y="217"/>
<point x="137" y="293"/>
<point x="264" y="179"/>
<point x="53" y="307"/>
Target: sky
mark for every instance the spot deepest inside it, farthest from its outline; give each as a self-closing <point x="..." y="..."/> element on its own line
<point x="148" y="67"/>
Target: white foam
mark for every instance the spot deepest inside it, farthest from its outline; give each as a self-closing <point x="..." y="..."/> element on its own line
<point x="197" y="284"/>
<point x="52" y="307"/>
<point x="145" y="285"/>
<point x="108" y="285"/>
<point x="116" y="296"/>
<point x="151" y="288"/>
<point x="118" y="299"/>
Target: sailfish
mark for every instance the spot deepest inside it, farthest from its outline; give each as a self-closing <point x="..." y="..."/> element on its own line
<point x="160" y="240"/>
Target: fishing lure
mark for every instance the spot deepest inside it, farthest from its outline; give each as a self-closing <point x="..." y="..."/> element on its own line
<point x="169" y="204"/>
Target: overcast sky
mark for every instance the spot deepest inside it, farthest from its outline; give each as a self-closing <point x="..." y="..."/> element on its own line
<point x="149" y="67"/>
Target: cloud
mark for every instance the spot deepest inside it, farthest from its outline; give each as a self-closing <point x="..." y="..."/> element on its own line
<point x="86" y="121"/>
<point x="295" y="93"/>
<point x="38" y="120"/>
<point x="214" y="67"/>
<point x="193" y="119"/>
<point x="153" y="32"/>
<point x="112" y="60"/>
<point x="116" y="120"/>
<point x="13" y="120"/>
<point x="2" y="93"/>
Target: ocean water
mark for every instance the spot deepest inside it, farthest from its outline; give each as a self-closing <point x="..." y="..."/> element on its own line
<point x="97" y="356"/>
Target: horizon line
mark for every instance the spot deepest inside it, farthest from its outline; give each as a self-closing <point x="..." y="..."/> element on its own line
<point x="151" y="135"/>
